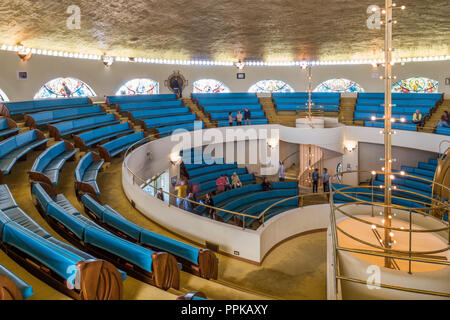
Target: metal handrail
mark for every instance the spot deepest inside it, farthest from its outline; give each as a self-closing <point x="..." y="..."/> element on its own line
<point x="379" y="251"/>
<point x="351" y="123"/>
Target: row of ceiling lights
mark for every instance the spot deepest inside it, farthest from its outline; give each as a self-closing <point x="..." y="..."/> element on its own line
<point x="109" y="60"/>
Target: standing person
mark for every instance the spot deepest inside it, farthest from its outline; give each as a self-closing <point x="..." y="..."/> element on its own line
<point x="315" y="179"/>
<point x="209" y="202"/>
<point x="176" y="88"/>
<point x="266" y="185"/>
<point x="220" y="184"/>
<point x="66" y="89"/>
<point x="226" y="182"/>
<point x="247" y="116"/>
<point x="181" y="189"/>
<point x="443" y="122"/>
<point x="160" y="194"/>
<point x="239" y="118"/>
<point x="235" y="181"/>
<point x="325" y="179"/>
<point x="230" y="118"/>
<point x="281" y="172"/>
<point x="417" y="117"/>
<point x="446" y="116"/>
<point x="188" y="205"/>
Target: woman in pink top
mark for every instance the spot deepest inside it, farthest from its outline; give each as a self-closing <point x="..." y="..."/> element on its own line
<point x="220" y="183"/>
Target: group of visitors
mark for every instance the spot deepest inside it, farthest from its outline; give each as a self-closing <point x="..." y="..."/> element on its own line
<point x="246" y="116"/>
<point x="445" y="120"/>
<point x="325" y="177"/>
<point x="223" y="183"/>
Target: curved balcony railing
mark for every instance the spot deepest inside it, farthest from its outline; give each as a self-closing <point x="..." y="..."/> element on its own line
<point x="425" y="206"/>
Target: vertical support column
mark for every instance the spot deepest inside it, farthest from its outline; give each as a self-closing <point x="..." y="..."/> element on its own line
<point x="388" y="126"/>
<point x="309" y="92"/>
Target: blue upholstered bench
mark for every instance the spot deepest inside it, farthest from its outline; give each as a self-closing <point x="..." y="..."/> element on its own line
<point x="399" y="126"/>
<point x="148" y="105"/>
<point x="224" y="123"/>
<point x="14" y="148"/>
<point x="214" y="175"/>
<point x="240" y="204"/>
<point x="232" y="108"/>
<point x="303" y="107"/>
<point x="61" y="129"/>
<point x="210" y="186"/>
<point x="304" y="95"/>
<point x="28" y="241"/>
<point x="47" y="166"/>
<point x="398" y="110"/>
<point x="304" y="101"/>
<point x="228" y="95"/>
<point x="34" y="120"/>
<point x="116" y="146"/>
<point x="225" y="101"/>
<point x="7" y="291"/>
<point x="210" y="168"/>
<point x="443" y="130"/>
<point x="157" y="113"/>
<point x="191" y="257"/>
<point x="93" y="137"/>
<point x="143" y="263"/>
<point x="112" y="100"/>
<point x="8" y="127"/>
<point x="86" y="173"/>
<point x="224" y="115"/>
<point x="167" y="121"/>
<point x="18" y="108"/>
<point x="165" y="130"/>
<point x="260" y="206"/>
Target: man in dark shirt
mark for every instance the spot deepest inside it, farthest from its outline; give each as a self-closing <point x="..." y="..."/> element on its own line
<point x="315" y="180"/>
<point x="247" y="115"/>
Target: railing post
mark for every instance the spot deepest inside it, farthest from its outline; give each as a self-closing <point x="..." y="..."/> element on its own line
<point x="410" y="241"/>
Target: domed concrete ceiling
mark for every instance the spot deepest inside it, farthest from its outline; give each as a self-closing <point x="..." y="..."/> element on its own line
<point x="275" y="30"/>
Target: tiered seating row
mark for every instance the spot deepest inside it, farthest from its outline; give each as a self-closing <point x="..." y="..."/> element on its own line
<point x="93" y="137"/>
<point x="8" y="127"/>
<point x="62" y="129"/>
<point x="114" y="100"/>
<point x="48" y="164"/>
<point x="405" y="105"/>
<point x="19" y="108"/>
<point x="16" y="147"/>
<point x="297" y="101"/>
<point x="34" y="120"/>
<point x="201" y="262"/>
<point x="12" y="287"/>
<point x="53" y="261"/>
<point x="116" y="146"/>
<point x="86" y="173"/>
<point x="159" y="269"/>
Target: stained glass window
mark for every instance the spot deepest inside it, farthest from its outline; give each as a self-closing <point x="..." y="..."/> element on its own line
<point x="3" y="96"/>
<point x="269" y="86"/>
<point x="339" y="85"/>
<point x="138" y="86"/>
<point x="210" y="86"/>
<point x="64" y="87"/>
<point x="416" y="85"/>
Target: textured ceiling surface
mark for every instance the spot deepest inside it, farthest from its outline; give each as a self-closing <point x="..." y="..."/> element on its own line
<point x="275" y="30"/>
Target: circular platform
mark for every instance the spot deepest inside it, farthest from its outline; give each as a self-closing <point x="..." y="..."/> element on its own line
<point x="421" y="242"/>
<point x="314" y="122"/>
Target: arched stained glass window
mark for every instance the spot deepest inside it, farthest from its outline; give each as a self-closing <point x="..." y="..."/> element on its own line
<point x="3" y="96"/>
<point x="210" y="86"/>
<point x="339" y="85"/>
<point x="64" y="88"/>
<point x="416" y="85"/>
<point x="269" y="86"/>
<point x="138" y="86"/>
